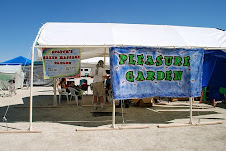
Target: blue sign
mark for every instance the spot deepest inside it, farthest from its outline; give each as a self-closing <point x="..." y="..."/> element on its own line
<point x="140" y="72"/>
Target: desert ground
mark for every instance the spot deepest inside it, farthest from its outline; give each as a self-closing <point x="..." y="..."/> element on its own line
<point x="57" y="125"/>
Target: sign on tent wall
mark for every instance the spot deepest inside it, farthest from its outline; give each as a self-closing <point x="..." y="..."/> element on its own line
<point x="61" y="62"/>
<point x="140" y="72"/>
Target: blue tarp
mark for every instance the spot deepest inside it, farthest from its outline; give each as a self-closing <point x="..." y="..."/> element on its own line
<point x="17" y="61"/>
<point x="141" y="72"/>
<point x="214" y="73"/>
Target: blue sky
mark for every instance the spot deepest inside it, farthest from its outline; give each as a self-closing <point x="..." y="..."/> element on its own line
<point x="20" y="20"/>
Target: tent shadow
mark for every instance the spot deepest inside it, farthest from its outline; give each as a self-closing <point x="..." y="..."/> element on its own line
<point x="69" y="113"/>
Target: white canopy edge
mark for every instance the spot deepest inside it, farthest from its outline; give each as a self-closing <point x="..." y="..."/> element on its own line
<point x="105" y="35"/>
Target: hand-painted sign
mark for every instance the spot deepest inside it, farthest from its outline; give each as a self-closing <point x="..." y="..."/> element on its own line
<point x="140" y="72"/>
<point x="61" y="62"/>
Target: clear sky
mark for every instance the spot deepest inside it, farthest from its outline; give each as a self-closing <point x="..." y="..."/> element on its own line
<point x="20" y="20"/>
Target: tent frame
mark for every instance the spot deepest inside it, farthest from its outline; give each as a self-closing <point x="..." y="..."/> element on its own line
<point x="95" y="46"/>
<point x="55" y="99"/>
<point x="108" y="46"/>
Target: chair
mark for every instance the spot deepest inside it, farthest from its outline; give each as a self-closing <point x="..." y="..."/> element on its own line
<point x="84" y="86"/>
<point x="63" y="91"/>
<point x="74" y="93"/>
<point x="7" y="86"/>
<point x="2" y="94"/>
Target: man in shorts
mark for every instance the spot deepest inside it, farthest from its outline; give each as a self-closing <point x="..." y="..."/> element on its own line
<point x="99" y="74"/>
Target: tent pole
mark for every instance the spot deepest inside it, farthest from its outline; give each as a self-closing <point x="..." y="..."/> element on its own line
<point x="31" y="78"/>
<point x="31" y="85"/>
<point x="54" y="97"/>
<point x="104" y="58"/>
<point x="190" y="100"/>
<point x="113" y="114"/>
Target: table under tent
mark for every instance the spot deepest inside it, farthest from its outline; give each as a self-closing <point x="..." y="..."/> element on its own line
<point x="95" y="39"/>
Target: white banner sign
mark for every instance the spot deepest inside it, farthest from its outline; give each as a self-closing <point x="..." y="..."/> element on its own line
<point x="61" y="62"/>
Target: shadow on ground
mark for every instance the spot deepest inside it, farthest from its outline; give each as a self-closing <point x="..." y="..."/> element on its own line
<point x="83" y="116"/>
<point x="221" y="104"/>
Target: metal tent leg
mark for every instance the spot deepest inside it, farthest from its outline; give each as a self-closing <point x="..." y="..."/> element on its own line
<point x="190" y="100"/>
<point x="113" y="114"/>
<point x="4" y="119"/>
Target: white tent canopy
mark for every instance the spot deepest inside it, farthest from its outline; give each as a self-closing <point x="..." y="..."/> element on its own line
<point x="111" y="34"/>
<point x="94" y="40"/>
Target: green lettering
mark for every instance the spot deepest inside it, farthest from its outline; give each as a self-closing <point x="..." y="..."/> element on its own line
<point x="131" y="61"/>
<point x="177" y="61"/>
<point x="177" y="75"/>
<point x="187" y="61"/>
<point x="140" y="76"/>
<point x="160" y="75"/>
<point x="123" y="59"/>
<point x="150" y="75"/>
<point x="129" y="76"/>
<point x="168" y="75"/>
<point x="140" y="59"/>
<point x="168" y="60"/>
<point x="149" y="61"/>
<point x="159" y="60"/>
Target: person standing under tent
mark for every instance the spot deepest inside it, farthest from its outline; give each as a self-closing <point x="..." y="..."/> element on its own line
<point x="99" y="74"/>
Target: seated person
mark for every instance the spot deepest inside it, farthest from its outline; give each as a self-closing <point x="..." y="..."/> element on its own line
<point x="71" y="84"/>
<point x="84" y="86"/>
<point x="64" y="85"/>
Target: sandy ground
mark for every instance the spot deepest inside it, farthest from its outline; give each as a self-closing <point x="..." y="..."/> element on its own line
<point x="58" y="126"/>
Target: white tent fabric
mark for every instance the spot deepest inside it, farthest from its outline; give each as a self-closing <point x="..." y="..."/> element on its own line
<point x="94" y="39"/>
<point x="10" y="68"/>
<point x="8" y="72"/>
<point x="111" y="34"/>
